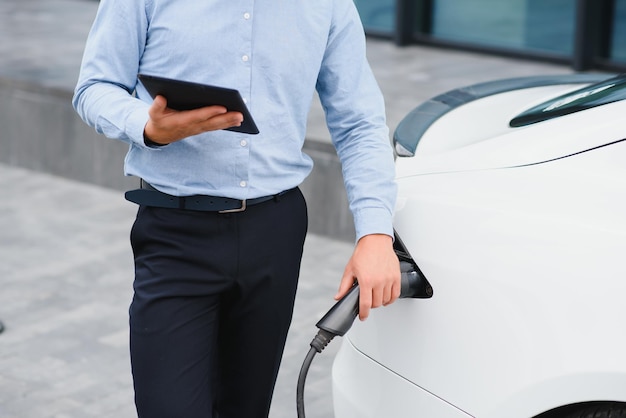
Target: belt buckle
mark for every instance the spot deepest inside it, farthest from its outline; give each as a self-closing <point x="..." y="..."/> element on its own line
<point x="240" y="209"/>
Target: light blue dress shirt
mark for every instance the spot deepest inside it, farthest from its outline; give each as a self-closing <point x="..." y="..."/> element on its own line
<point x="276" y="53"/>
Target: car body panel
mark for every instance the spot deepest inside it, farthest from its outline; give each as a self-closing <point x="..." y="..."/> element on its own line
<point x="355" y="397"/>
<point x="409" y="132"/>
<point x="526" y="254"/>
<point x="472" y="141"/>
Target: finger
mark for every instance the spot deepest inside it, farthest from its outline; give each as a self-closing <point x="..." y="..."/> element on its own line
<point x="395" y="290"/>
<point x="227" y="120"/>
<point x="347" y="281"/>
<point x="387" y="295"/>
<point x="214" y="118"/>
<point x="378" y="297"/>
<point x="208" y="112"/>
<point x="365" y="303"/>
<point x="231" y="119"/>
<point x="159" y="104"/>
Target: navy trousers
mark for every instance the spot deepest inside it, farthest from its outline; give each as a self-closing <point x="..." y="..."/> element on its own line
<point x="214" y="296"/>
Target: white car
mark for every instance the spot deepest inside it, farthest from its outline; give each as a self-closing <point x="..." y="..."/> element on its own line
<point x="512" y="204"/>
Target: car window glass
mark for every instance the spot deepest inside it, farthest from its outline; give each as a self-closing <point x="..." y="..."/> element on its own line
<point x="598" y="94"/>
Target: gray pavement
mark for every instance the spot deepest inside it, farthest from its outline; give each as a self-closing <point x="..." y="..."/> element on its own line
<point x="65" y="262"/>
<point x="65" y="285"/>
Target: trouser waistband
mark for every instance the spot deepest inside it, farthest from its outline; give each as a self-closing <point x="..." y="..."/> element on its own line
<point x="148" y="195"/>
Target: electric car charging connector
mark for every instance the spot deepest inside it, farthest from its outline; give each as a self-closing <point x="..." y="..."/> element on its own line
<point x="340" y="318"/>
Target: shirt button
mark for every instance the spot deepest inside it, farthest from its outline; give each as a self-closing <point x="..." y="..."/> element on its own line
<point x="243" y="143"/>
<point x="245" y="58"/>
<point x="242" y="183"/>
<point x="246" y="16"/>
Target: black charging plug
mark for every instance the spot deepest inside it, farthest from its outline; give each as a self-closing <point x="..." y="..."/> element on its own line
<point x="339" y="319"/>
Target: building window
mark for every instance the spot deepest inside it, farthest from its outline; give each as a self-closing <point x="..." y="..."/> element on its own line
<point x="618" y="41"/>
<point x="377" y="15"/>
<point x="584" y="33"/>
<point x="541" y="25"/>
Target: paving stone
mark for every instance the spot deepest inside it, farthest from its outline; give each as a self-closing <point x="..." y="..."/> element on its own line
<point x="66" y="274"/>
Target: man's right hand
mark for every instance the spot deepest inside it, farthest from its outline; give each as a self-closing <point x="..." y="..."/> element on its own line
<point x="168" y="125"/>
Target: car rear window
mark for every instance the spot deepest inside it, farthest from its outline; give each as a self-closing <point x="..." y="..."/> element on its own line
<point x="608" y="91"/>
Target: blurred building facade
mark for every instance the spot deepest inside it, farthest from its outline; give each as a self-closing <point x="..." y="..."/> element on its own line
<point x="586" y="34"/>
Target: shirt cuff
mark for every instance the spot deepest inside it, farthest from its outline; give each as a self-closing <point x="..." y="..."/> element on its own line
<point x="135" y="124"/>
<point x="373" y="221"/>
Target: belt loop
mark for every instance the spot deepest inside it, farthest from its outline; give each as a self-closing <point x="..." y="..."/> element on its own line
<point x="181" y="202"/>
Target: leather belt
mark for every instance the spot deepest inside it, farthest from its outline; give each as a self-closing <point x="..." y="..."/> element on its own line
<point x="147" y="195"/>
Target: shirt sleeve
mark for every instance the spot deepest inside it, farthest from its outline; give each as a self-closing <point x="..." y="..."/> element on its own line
<point x="355" y="115"/>
<point x="103" y="96"/>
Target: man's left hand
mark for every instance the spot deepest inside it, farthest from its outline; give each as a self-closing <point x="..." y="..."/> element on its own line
<point x="375" y="266"/>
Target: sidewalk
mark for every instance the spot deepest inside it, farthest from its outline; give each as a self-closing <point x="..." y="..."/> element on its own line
<point x="65" y="284"/>
<point x="65" y="260"/>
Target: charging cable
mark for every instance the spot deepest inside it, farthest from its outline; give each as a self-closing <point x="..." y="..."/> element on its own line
<point x="340" y="318"/>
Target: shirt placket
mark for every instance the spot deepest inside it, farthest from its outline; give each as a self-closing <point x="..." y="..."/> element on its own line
<point x="246" y="20"/>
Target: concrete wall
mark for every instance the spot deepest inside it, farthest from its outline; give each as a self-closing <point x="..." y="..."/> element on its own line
<point x="40" y="131"/>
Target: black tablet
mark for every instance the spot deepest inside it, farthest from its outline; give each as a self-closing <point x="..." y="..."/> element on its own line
<point x="185" y="95"/>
